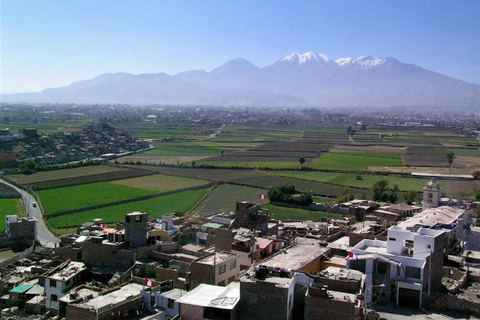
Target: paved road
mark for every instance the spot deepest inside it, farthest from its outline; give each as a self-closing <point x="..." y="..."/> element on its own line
<point x="44" y="236"/>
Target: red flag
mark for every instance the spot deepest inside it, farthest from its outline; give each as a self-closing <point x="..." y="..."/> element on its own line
<point x="102" y="226"/>
<point x="148" y="282"/>
<point x="352" y="255"/>
<point x="263" y="197"/>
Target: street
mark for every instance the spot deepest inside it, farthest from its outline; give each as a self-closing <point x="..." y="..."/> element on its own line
<point x="44" y="236"/>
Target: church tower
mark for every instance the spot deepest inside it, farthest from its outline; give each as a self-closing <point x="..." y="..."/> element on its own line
<point x="431" y="195"/>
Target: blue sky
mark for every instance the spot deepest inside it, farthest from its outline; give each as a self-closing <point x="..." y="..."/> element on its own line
<point x="53" y="43"/>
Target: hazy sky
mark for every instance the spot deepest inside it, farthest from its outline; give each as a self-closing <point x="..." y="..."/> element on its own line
<point x="54" y="43"/>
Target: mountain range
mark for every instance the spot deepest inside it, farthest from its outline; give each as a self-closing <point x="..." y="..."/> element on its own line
<point x="308" y="79"/>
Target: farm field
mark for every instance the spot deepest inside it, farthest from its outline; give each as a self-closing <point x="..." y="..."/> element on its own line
<point x="253" y="164"/>
<point x="318" y="188"/>
<point x="160" y="183"/>
<point x="82" y="196"/>
<point x="425" y="156"/>
<point x="352" y="161"/>
<point x="285" y="213"/>
<point x="350" y="180"/>
<point x="223" y="198"/>
<point x="368" y="149"/>
<point x="156" y="207"/>
<point x="64" y="174"/>
<point x="9" y="207"/>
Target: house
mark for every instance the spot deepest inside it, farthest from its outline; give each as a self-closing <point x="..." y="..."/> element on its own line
<point x="21" y="229"/>
<point x="167" y="302"/>
<point x="219" y="268"/>
<point x="305" y="255"/>
<point x="333" y="294"/>
<point x="404" y="210"/>
<point x="210" y="302"/>
<point x="59" y="281"/>
<point x="401" y="268"/>
<point x="121" y="302"/>
<point x="270" y="295"/>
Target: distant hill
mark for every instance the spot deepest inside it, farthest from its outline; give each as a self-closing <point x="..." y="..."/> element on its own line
<point x="308" y="79"/>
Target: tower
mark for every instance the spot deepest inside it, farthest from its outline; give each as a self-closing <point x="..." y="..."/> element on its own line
<point x="136" y="229"/>
<point x="431" y="195"/>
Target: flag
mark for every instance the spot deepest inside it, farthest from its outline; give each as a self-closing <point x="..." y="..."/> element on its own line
<point x="102" y="226"/>
<point x="352" y="255"/>
<point x="148" y="282"/>
<point x="263" y="197"/>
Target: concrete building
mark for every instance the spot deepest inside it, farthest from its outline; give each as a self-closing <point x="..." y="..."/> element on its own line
<point x="210" y="302"/>
<point x="59" y="281"/>
<point x="119" y="303"/>
<point x="21" y="229"/>
<point x="136" y="228"/>
<point x="304" y="256"/>
<point x="269" y="297"/>
<point x="219" y="268"/>
<point x="167" y="304"/>
<point x="402" y="268"/>
<point x="249" y="215"/>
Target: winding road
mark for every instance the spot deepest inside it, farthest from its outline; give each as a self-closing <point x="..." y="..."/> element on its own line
<point x="44" y="236"/>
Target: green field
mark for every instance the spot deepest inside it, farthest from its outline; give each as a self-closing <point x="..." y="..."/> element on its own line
<point x="64" y="174"/>
<point x="160" y="183"/>
<point x="224" y="197"/>
<point x="353" y="161"/>
<point x="82" y="196"/>
<point x="285" y="213"/>
<point x="156" y="207"/>
<point x="350" y="180"/>
<point x="8" y="207"/>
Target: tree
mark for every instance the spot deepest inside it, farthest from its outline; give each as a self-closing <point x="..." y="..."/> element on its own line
<point x="29" y="167"/>
<point x="349" y="130"/>
<point x="450" y="156"/>
<point x="222" y="152"/>
<point x="363" y="127"/>
<point x="476" y="174"/>
<point x="301" y="160"/>
<point x="379" y="189"/>
<point x="410" y="196"/>
<point x="393" y="196"/>
<point x="193" y="164"/>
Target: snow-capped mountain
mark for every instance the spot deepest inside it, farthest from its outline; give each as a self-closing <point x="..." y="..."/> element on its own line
<point x="296" y="79"/>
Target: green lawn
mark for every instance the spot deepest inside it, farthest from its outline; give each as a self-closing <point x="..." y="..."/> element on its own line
<point x="8" y="207"/>
<point x="352" y="161"/>
<point x="285" y="213"/>
<point x="82" y="196"/>
<point x="156" y="207"/>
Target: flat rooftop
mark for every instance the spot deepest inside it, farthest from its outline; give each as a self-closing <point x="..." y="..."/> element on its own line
<point x="69" y="271"/>
<point x="127" y="291"/>
<point x="219" y="257"/>
<point x="174" y="294"/>
<point x="206" y="295"/>
<point x="297" y="256"/>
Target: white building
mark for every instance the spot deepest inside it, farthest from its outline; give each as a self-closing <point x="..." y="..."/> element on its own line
<point x="403" y="267"/>
<point x="59" y="281"/>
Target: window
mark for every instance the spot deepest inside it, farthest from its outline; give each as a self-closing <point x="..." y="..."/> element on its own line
<point x="171" y="303"/>
<point x="429" y="246"/>
<point x="53" y="283"/>
<point x="412" y="272"/>
<point x="233" y="264"/>
<point x="221" y="283"/>
<point x="222" y="268"/>
<point x="54" y="298"/>
<point x="382" y="267"/>
<point x="392" y="239"/>
<point x="231" y="279"/>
